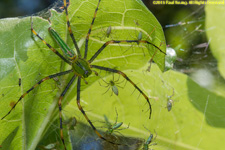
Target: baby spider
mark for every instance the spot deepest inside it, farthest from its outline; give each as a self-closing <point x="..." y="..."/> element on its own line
<point x="115" y="126"/>
<point x="148" y="142"/>
<point x="71" y="123"/>
<point x="113" y="84"/>
<point x="108" y="31"/>
<point x="170" y="102"/>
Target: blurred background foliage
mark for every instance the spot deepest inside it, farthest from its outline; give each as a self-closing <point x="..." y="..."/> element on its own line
<point x="15" y="8"/>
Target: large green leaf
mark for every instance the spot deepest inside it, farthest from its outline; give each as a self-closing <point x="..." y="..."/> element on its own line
<point x="196" y="115"/>
<point x="215" y="31"/>
<point x="29" y="59"/>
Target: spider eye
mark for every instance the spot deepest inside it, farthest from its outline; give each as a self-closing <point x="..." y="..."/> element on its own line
<point x="86" y="72"/>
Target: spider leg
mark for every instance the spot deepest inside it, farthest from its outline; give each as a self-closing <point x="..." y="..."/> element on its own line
<point x="119" y="86"/>
<point x="150" y="61"/>
<point x="60" y="108"/>
<point x="86" y="117"/>
<point x="122" y="41"/>
<point x="128" y="79"/>
<point x="103" y="85"/>
<point x="89" y="31"/>
<point x="116" y="115"/>
<point x="49" y="46"/>
<point x="107" y="86"/>
<point x="117" y="78"/>
<point x="38" y="83"/>
<point x="106" y="90"/>
<point x="119" y="82"/>
<point x="70" y="29"/>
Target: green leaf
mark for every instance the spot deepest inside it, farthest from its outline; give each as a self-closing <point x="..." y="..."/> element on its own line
<point x="215" y="31"/>
<point x="29" y="59"/>
<point x="24" y="59"/>
<point x="195" y="121"/>
<point x="6" y="144"/>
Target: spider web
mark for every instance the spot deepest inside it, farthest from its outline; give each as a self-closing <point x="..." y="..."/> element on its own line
<point x="185" y="32"/>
